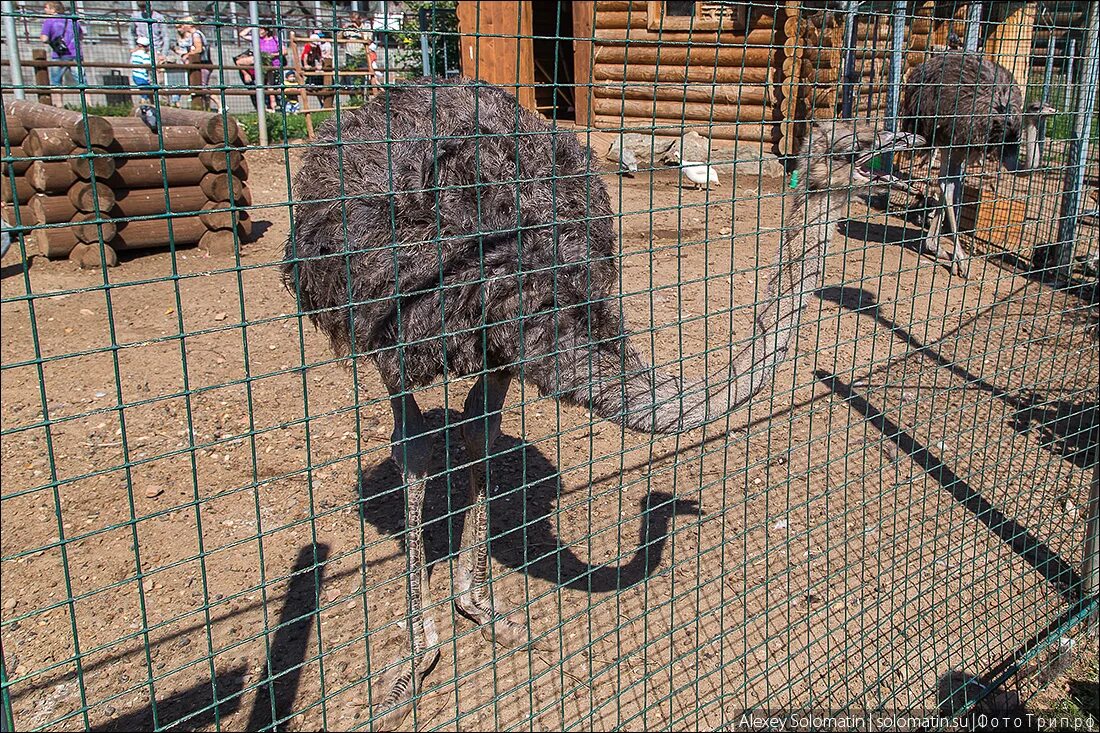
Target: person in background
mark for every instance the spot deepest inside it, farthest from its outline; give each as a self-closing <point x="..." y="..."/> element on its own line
<point x="140" y="62"/>
<point x="151" y="24"/>
<point x="62" y="35"/>
<point x="193" y="49"/>
<point x="356" y="31"/>
<point x="271" y="58"/>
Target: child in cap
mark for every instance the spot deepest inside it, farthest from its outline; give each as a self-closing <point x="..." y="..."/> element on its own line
<point x="141" y="61"/>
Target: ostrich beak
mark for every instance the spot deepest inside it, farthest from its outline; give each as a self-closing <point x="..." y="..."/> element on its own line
<point x="887" y="142"/>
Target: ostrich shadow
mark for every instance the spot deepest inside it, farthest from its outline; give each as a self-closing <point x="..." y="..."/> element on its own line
<point x="873" y="233"/>
<point x="524" y="487"/>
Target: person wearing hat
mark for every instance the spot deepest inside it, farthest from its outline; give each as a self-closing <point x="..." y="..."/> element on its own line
<point x="140" y="62"/>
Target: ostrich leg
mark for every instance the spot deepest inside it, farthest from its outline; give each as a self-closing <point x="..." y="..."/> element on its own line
<point x="411" y="452"/>
<point x="951" y="175"/>
<point x="480" y="429"/>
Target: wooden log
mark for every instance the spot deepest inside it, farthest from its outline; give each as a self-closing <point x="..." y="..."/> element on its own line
<point x="210" y="125"/>
<point x="48" y="209"/>
<point x="220" y="159"/>
<point x="91" y="131"/>
<point x="42" y="142"/>
<point x="618" y="6"/>
<point x="146" y="172"/>
<point x="34" y="115"/>
<point x="88" y="232"/>
<point x="216" y="188"/>
<point x="620" y="19"/>
<point x="51" y="177"/>
<point x="55" y="243"/>
<point x="21" y="192"/>
<point x="93" y="257"/>
<point x="19" y="162"/>
<point x="718" y="93"/>
<point x="224" y="242"/>
<point x="219" y="215"/>
<point x="27" y="216"/>
<point x="767" y="132"/>
<point x="141" y="140"/>
<point x="708" y="57"/>
<point x="684" y="110"/>
<point x="86" y="196"/>
<point x="616" y="36"/>
<point x="149" y="201"/>
<point x="16" y="130"/>
<point x="672" y="74"/>
<point x="82" y="165"/>
<point x="154" y="232"/>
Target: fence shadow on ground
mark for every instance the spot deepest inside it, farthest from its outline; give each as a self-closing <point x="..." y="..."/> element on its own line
<point x="525" y="490"/>
<point x="196" y="709"/>
<point x="1019" y="538"/>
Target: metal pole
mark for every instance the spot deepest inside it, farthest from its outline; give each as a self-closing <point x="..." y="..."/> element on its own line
<point x="1067" y="95"/>
<point x="973" y="26"/>
<point x="1079" y="145"/>
<point x="425" y="53"/>
<point x="897" y="62"/>
<point x="257" y="70"/>
<point x="849" y="60"/>
<point x="12" y="43"/>
<point x="1090" y="563"/>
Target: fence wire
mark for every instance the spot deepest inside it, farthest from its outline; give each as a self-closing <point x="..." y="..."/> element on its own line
<point x="641" y="385"/>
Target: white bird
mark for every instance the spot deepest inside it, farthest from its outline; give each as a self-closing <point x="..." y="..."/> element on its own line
<point x="700" y="174"/>
<point x="628" y="163"/>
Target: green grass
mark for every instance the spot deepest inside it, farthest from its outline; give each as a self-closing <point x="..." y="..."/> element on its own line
<point x="279" y="126"/>
<point x="104" y="110"/>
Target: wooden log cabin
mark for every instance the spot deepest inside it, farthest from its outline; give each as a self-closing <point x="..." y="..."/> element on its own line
<point x="756" y="72"/>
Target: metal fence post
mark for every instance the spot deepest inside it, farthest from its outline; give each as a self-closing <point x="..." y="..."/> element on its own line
<point x="1078" y="147"/>
<point x="12" y="43"/>
<point x="848" y="94"/>
<point x="973" y="27"/>
<point x="257" y="70"/>
<point x="425" y="54"/>
<point x="897" y="62"/>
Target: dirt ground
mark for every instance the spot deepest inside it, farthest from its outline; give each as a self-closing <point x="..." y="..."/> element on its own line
<point x="904" y="507"/>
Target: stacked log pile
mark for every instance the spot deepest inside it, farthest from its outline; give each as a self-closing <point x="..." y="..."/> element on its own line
<point x="120" y="185"/>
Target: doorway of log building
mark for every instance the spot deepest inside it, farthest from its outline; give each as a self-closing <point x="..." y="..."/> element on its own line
<point x="552" y="26"/>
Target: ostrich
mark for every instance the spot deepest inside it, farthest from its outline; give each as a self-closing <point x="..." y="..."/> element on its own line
<point x="965" y="106"/>
<point x="442" y="229"/>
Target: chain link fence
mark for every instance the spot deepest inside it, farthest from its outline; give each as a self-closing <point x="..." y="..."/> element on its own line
<point x="707" y="362"/>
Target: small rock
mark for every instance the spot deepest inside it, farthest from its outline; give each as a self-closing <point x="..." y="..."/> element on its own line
<point x="1070" y="509"/>
<point x="725" y="231"/>
<point x="100" y="394"/>
<point x="10" y="604"/>
<point x="220" y="316"/>
<point x="153" y="492"/>
<point x="781" y="524"/>
<point x="87" y="312"/>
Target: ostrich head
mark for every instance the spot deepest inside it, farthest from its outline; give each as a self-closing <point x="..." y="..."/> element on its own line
<point x="844" y="156"/>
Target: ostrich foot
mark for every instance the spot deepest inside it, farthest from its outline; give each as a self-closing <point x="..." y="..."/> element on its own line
<point x="961" y="268"/>
<point x="506" y="629"/>
<point x="403" y="683"/>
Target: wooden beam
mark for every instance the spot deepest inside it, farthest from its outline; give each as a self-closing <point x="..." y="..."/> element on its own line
<point x="584" y="16"/>
<point x="496" y="45"/>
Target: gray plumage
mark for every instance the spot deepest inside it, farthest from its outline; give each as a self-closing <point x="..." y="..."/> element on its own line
<point x="443" y="230"/>
<point x="965" y="103"/>
<point x="968" y="107"/>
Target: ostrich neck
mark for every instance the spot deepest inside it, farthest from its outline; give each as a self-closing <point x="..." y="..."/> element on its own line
<point x="795" y="275"/>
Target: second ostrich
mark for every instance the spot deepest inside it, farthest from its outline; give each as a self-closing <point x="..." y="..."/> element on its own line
<point x="966" y="106"/>
<point x="444" y="230"/>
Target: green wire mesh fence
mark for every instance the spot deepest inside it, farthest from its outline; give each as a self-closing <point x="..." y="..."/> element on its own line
<point x="649" y="384"/>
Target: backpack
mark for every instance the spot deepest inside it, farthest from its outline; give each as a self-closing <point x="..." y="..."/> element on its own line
<point x="204" y="57"/>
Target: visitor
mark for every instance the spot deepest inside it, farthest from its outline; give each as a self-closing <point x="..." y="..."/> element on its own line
<point x="140" y="62"/>
<point x="193" y="49"/>
<point x="271" y="59"/>
<point x="62" y="35"/>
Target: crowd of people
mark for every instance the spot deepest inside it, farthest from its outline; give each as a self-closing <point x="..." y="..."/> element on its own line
<point x="155" y="44"/>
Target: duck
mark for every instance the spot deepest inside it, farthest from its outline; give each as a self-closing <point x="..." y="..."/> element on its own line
<point x="700" y="174"/>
